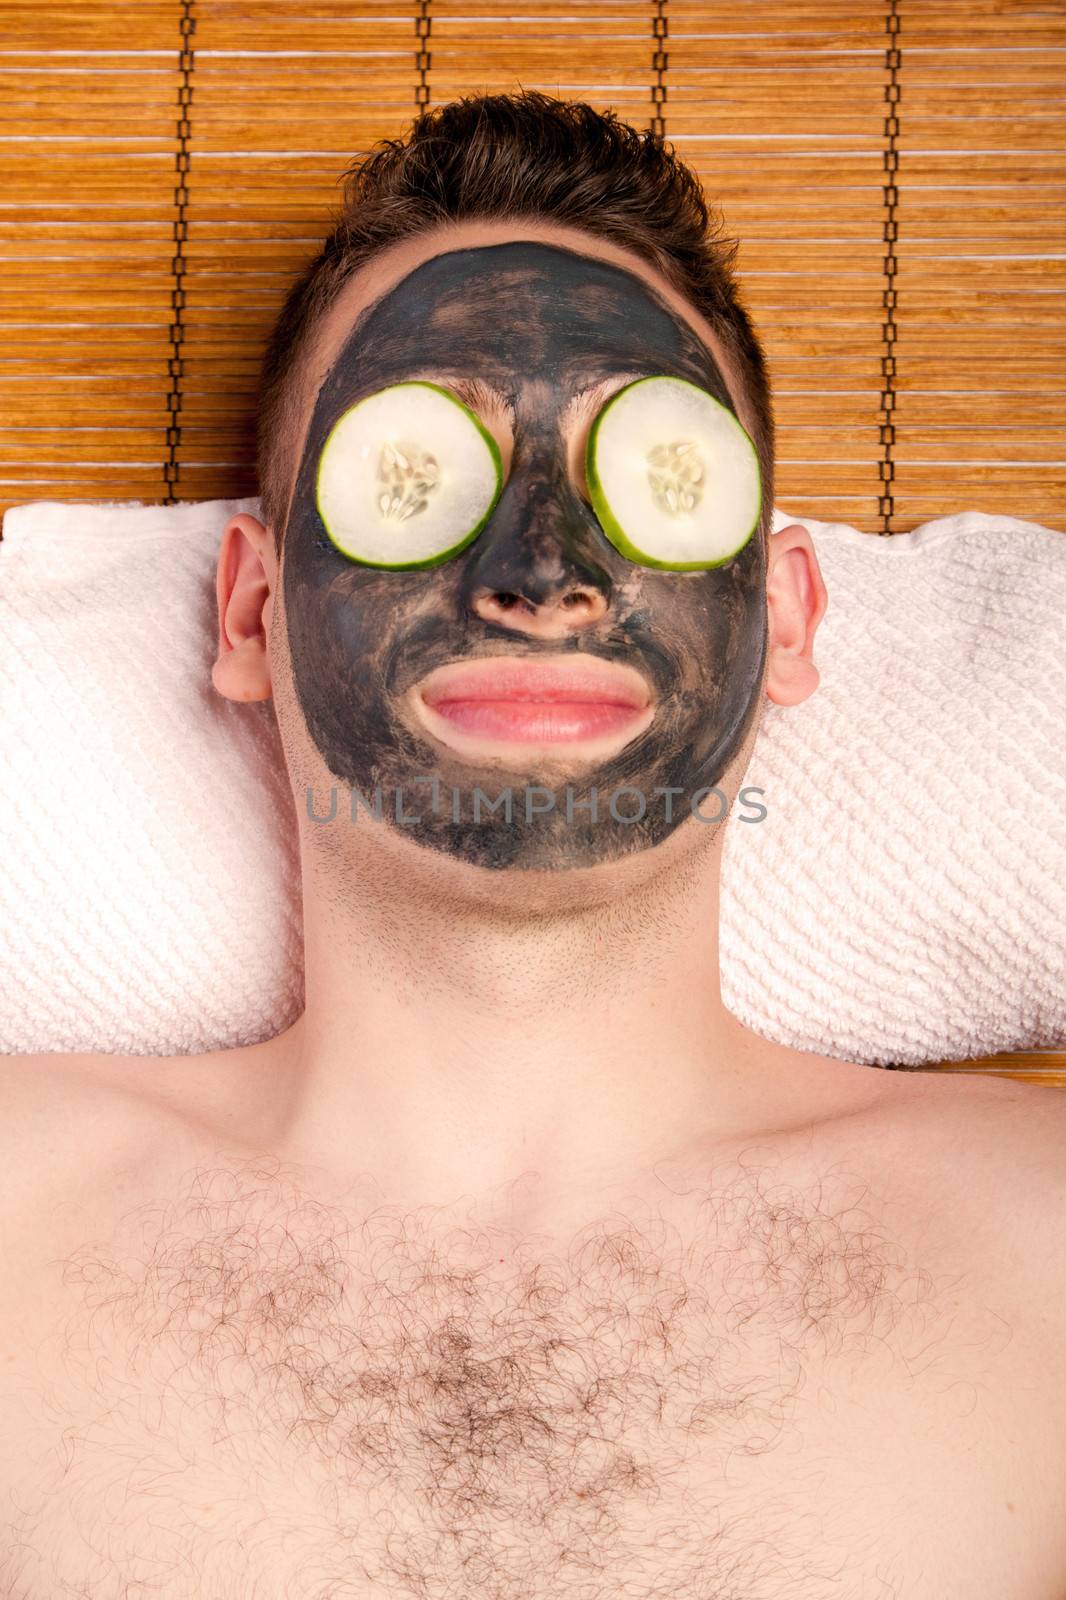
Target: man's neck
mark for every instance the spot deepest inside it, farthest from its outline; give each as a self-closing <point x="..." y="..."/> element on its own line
<point x="451" y="1044"/>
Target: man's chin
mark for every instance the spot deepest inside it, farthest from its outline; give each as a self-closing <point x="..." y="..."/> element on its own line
<point x="518" y="813"/>
<point x="529" y="862"/>
<point x="515" y="874"/>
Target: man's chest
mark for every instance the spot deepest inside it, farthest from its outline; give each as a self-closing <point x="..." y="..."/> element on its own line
<point x="757" y="1393"/>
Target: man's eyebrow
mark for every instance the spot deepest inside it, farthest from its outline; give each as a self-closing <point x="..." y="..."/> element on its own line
<point x="481" y="395"/>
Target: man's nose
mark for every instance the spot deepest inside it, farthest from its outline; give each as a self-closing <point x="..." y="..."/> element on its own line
<point x="554" y="616"/>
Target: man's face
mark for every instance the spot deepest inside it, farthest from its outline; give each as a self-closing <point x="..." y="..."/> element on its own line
<point x="540" y="323"/>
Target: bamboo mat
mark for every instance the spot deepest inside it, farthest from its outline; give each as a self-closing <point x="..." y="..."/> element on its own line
<point x="894" y="169"/>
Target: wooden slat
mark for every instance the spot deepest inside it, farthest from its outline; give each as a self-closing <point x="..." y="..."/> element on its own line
<point x="88" y="139"/>
<point x="1046" y="1067"/>
<point x="981" y="148"/>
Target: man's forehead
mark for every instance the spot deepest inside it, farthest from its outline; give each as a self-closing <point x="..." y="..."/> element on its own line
<point x="453" y="315"/>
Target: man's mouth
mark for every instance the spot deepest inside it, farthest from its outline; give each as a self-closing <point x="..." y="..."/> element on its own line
<point x="579" y="705"/>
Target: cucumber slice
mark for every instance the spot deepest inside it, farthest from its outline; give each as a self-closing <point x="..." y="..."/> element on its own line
<point x="407" y="477"/>
<point x="672" y="475"/>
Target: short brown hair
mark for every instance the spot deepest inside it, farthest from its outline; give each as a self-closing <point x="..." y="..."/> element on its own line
<point x="503" y="156"/>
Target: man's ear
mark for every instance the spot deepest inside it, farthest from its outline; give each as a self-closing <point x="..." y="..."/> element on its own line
<point x="796" y="601"/>
<point x="245" y="582"/>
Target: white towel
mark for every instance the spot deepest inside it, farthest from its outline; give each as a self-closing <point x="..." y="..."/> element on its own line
<point x="150" y="899"/>
<point x="903" y="900"/>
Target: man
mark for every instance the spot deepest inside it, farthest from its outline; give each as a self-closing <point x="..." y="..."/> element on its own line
<point x="517" y="1266"/>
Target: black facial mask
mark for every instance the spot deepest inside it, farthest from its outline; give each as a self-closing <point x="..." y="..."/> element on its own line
<point x="539" y="323"/>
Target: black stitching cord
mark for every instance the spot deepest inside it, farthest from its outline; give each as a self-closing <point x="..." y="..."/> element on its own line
<point x="659" y="60"/>
<point x="171" y="465"/>
<point x="423" y="23"/>
<point x="888" y="328"/>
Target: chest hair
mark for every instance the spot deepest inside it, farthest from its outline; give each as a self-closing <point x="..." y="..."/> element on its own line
<point x="254" y="1390"/>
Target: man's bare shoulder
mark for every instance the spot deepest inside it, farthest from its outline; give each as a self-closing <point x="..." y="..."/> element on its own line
<point x="980" y="1089"/>
<point x="119" y="1091"/>
<point x="1015" y="1131"/>
<point x="71" y="1120"/>
<point x="63" y="1088"/>
<point x="998" y="1107"/>
<point x="992" y="1150"/>
<point x="64" y="1120"/>
<point x="49" y="1096"/>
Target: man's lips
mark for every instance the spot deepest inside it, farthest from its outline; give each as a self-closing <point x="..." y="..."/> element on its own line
<point x="537" y="701"/>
